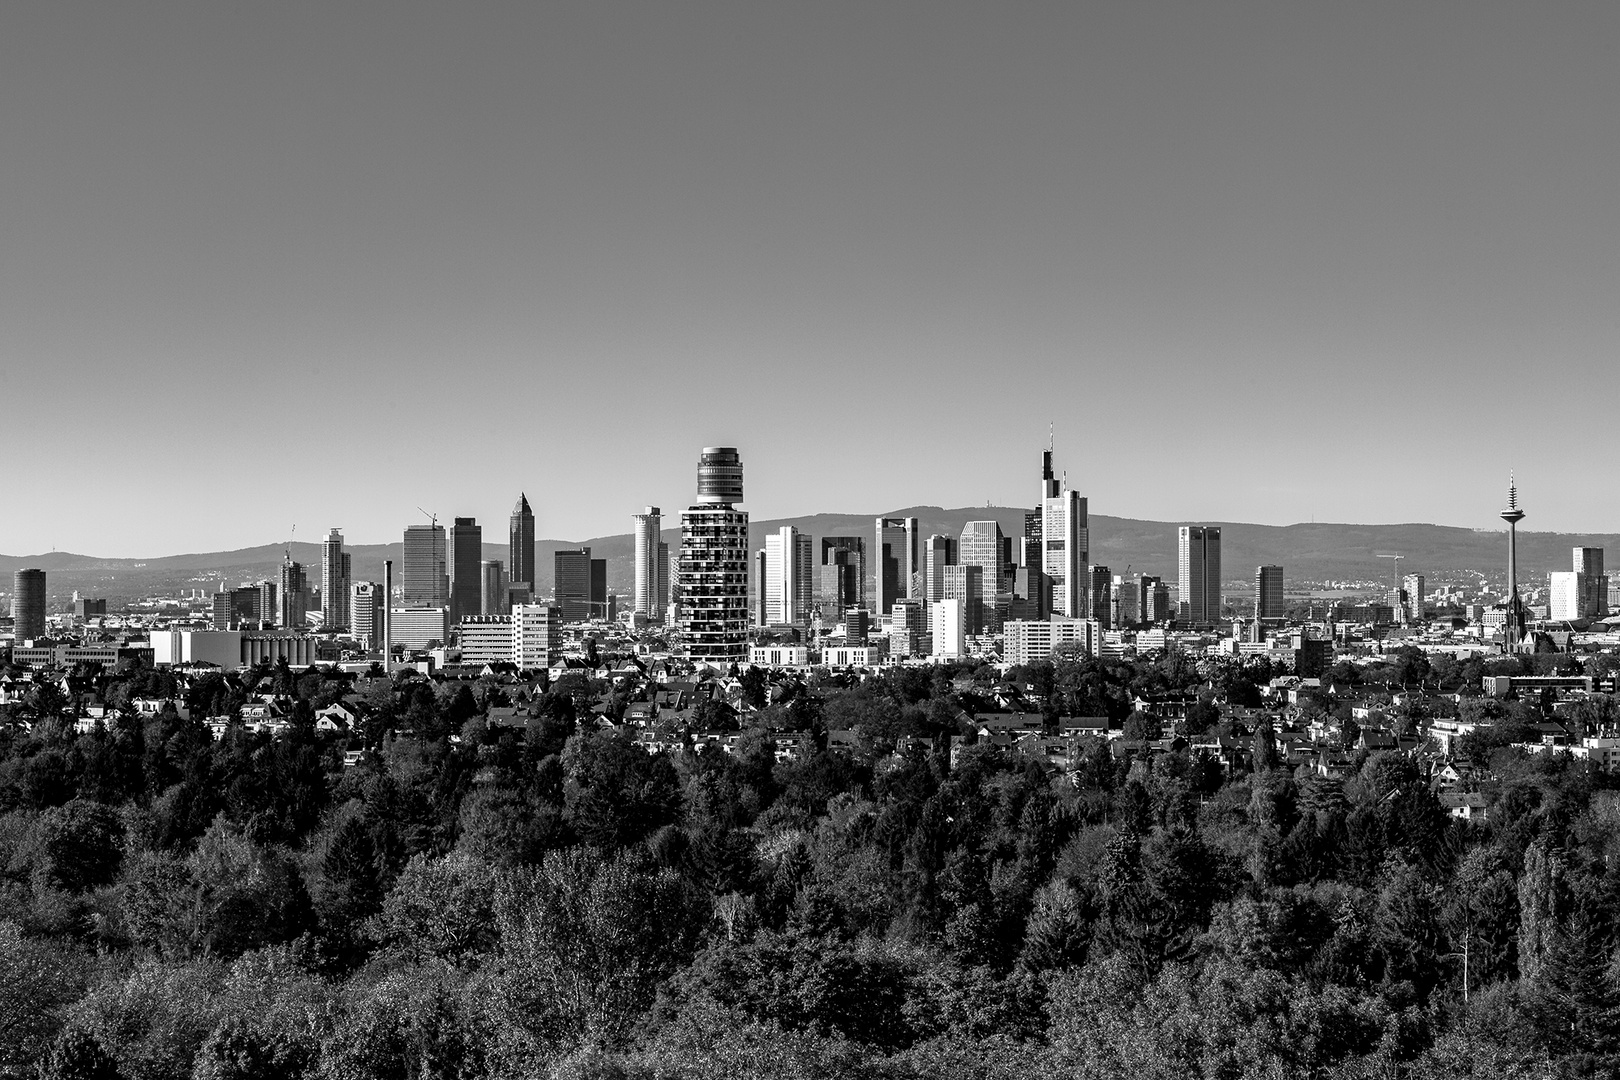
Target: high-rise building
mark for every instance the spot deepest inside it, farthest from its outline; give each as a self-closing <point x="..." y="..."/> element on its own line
<point x="1153" y="600"/>
<point x="1101" y="599"/>
<point x="843" y="572"/>
<point x="1065" y="538"/>
<point x="335" y="575"/>
<point x="907" y="628"/>
<point x="1595" y="589"/>
<point x="949" y="626"/>
<point x="294" y="596"/>
<point x="521" y="552"/>
<point x="651" y="565"/>
<point x="1268" y="592"/>
<point x="964" y="582"/>
<point x="1125" y="602"/>
<point x="785" y="584"/>
<point x="857" y="626"/>
<point x="465" y="560"/>
<point x="1200" y="554"/>
<point x="267" y="607"/>
<point x="713" y="577"/>
<point x="896" y="552"/>
<point x="366" y="604"/>
<point x="424" y="581"/>
<point x="493" y="597"/>
<point x="571" y="583"/>
<point x="982" y="545"/>
<point x="1564" y="594"/>
<point x="601" y="607"/>
<point x="1412" y="586"/>
<point x="28" y="604"/>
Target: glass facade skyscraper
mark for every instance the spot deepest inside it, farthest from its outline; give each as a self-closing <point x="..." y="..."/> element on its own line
<point x="713" y="576"/>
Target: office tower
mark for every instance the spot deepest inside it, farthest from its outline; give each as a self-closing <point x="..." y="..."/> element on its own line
<point x="366" y="606"/>
<point x="1153" y="599"/>
<point x="1065" y="538"/>
<point x="982" y="545"/>
<point x="1413" y="588"/>
<point x="387" y="644"/>
<point x="786" y="566"/>
<point x="1200" y="551"/>
<point x="85" y="609"/>
<point x="713" y="575"/>
<point x="600" y="608"/>
<point x="1514" y="632"/>
<point x="537" y="636"/>
<point x="414" y="629"/>
<point x="492" y="595"/>
<point x="1564" y="593"/>
<point x="1125" y="601"/>
<point x="1595" y="588"/>
<point x="948" y="623"/>
<point x="28" y="604"/>
<point x="521" y="552"/>
<point x="906" y="628"/>
<point x="843" y="572"/>
<point x="1102" y="593"/>
<point x="267" y="607"/>
<point x="1268" y="592"/>
<point x="294" y="598"/>
<point x="465" y="559"/>
<point x="424" y="581"/>
<point x="938" y="553"/>
<point x="651" y="565"/>
<point x="857" y="626"/>
<point x="964" y="582"/>
<point x="896" y="551"/>
<point x="571" y="583"/>
<point x="222" y="611"/>
<point x="334" y="583"/>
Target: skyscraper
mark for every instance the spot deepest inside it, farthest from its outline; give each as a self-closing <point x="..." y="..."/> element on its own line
<point x="492" y="593"/>
<point x="1595" y="583"/>
<point x="964" y="582"/>
<point x="465" y="560"/>
<point x="335" y="577"/>
<point x="1412" y="586"/>
<point x="1268" y="592"/>
<point x="1101" y="599"/>
<point x="521" y="554"/>
<point x="571" y="583"/>
<point x="1153" y="600"/>
<point x="843" y="573"/>
<point x="1065" y="538"/>
<point x="982" y="545"/>
<point x="294" y="598"/>
<point x="28" y="604"/>
<point x="786" y="594"/>
<point x="1200" y="551"/>
<point x="896" y="552"/>
<point x="423" y="580"/>
<point x="713" y="577"/>
<point x="651" y="565"/>
<point x="366" y="613"/>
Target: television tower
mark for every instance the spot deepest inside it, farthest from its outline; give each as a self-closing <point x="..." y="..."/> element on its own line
<point x="1513" y="631"/>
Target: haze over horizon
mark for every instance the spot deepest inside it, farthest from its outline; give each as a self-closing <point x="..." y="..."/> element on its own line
<point x="1257" y="262"/>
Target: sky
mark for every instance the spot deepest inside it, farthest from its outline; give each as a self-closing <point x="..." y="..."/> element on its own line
<point x="317" y="264"/>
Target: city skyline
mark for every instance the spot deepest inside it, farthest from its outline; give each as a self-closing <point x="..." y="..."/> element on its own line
<point x="1272" y="210"/>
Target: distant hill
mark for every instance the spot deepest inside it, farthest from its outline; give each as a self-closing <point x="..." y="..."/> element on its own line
<point x="1308" y="552"/>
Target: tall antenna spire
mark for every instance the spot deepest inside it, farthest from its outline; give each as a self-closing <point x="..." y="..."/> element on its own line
<point x="1051" y="436"/>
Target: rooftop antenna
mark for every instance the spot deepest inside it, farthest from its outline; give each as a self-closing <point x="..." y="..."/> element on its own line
<point x="1051" y="437"/>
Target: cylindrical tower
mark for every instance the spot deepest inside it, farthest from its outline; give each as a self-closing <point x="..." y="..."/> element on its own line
<point x="720" y="476"/>
<point x="28" y="604"/>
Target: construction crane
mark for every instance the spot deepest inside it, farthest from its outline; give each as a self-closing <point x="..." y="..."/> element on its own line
<point x="286" y="553"/>
<point x="1400" y="609"/>
<point x="433" y="519"/>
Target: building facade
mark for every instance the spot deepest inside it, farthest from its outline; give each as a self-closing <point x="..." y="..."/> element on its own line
<point x="843" y="573"/>
<point x="424" y="580"/>
<point x="1268" y="592"/>
<point x="571" y="583"/>
<point x="786" y="584"/>
<point x="520" y="550"/>
<point x="465" y="559"/>
<point x="493" y="595"/>
<point x="713" y="574"/>
<point x="293" y="596"/>
<point x="1199" y="549"/>
<point x="537" y="636"/>
<point x="895" y="557"/>
<point x="651" y="556"/>
<point x="366" y="603"/>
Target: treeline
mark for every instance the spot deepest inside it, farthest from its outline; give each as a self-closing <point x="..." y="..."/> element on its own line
<point x="481" y="900"/>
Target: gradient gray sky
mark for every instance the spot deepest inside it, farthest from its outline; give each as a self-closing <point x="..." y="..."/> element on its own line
<point x="323" y="263"/>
